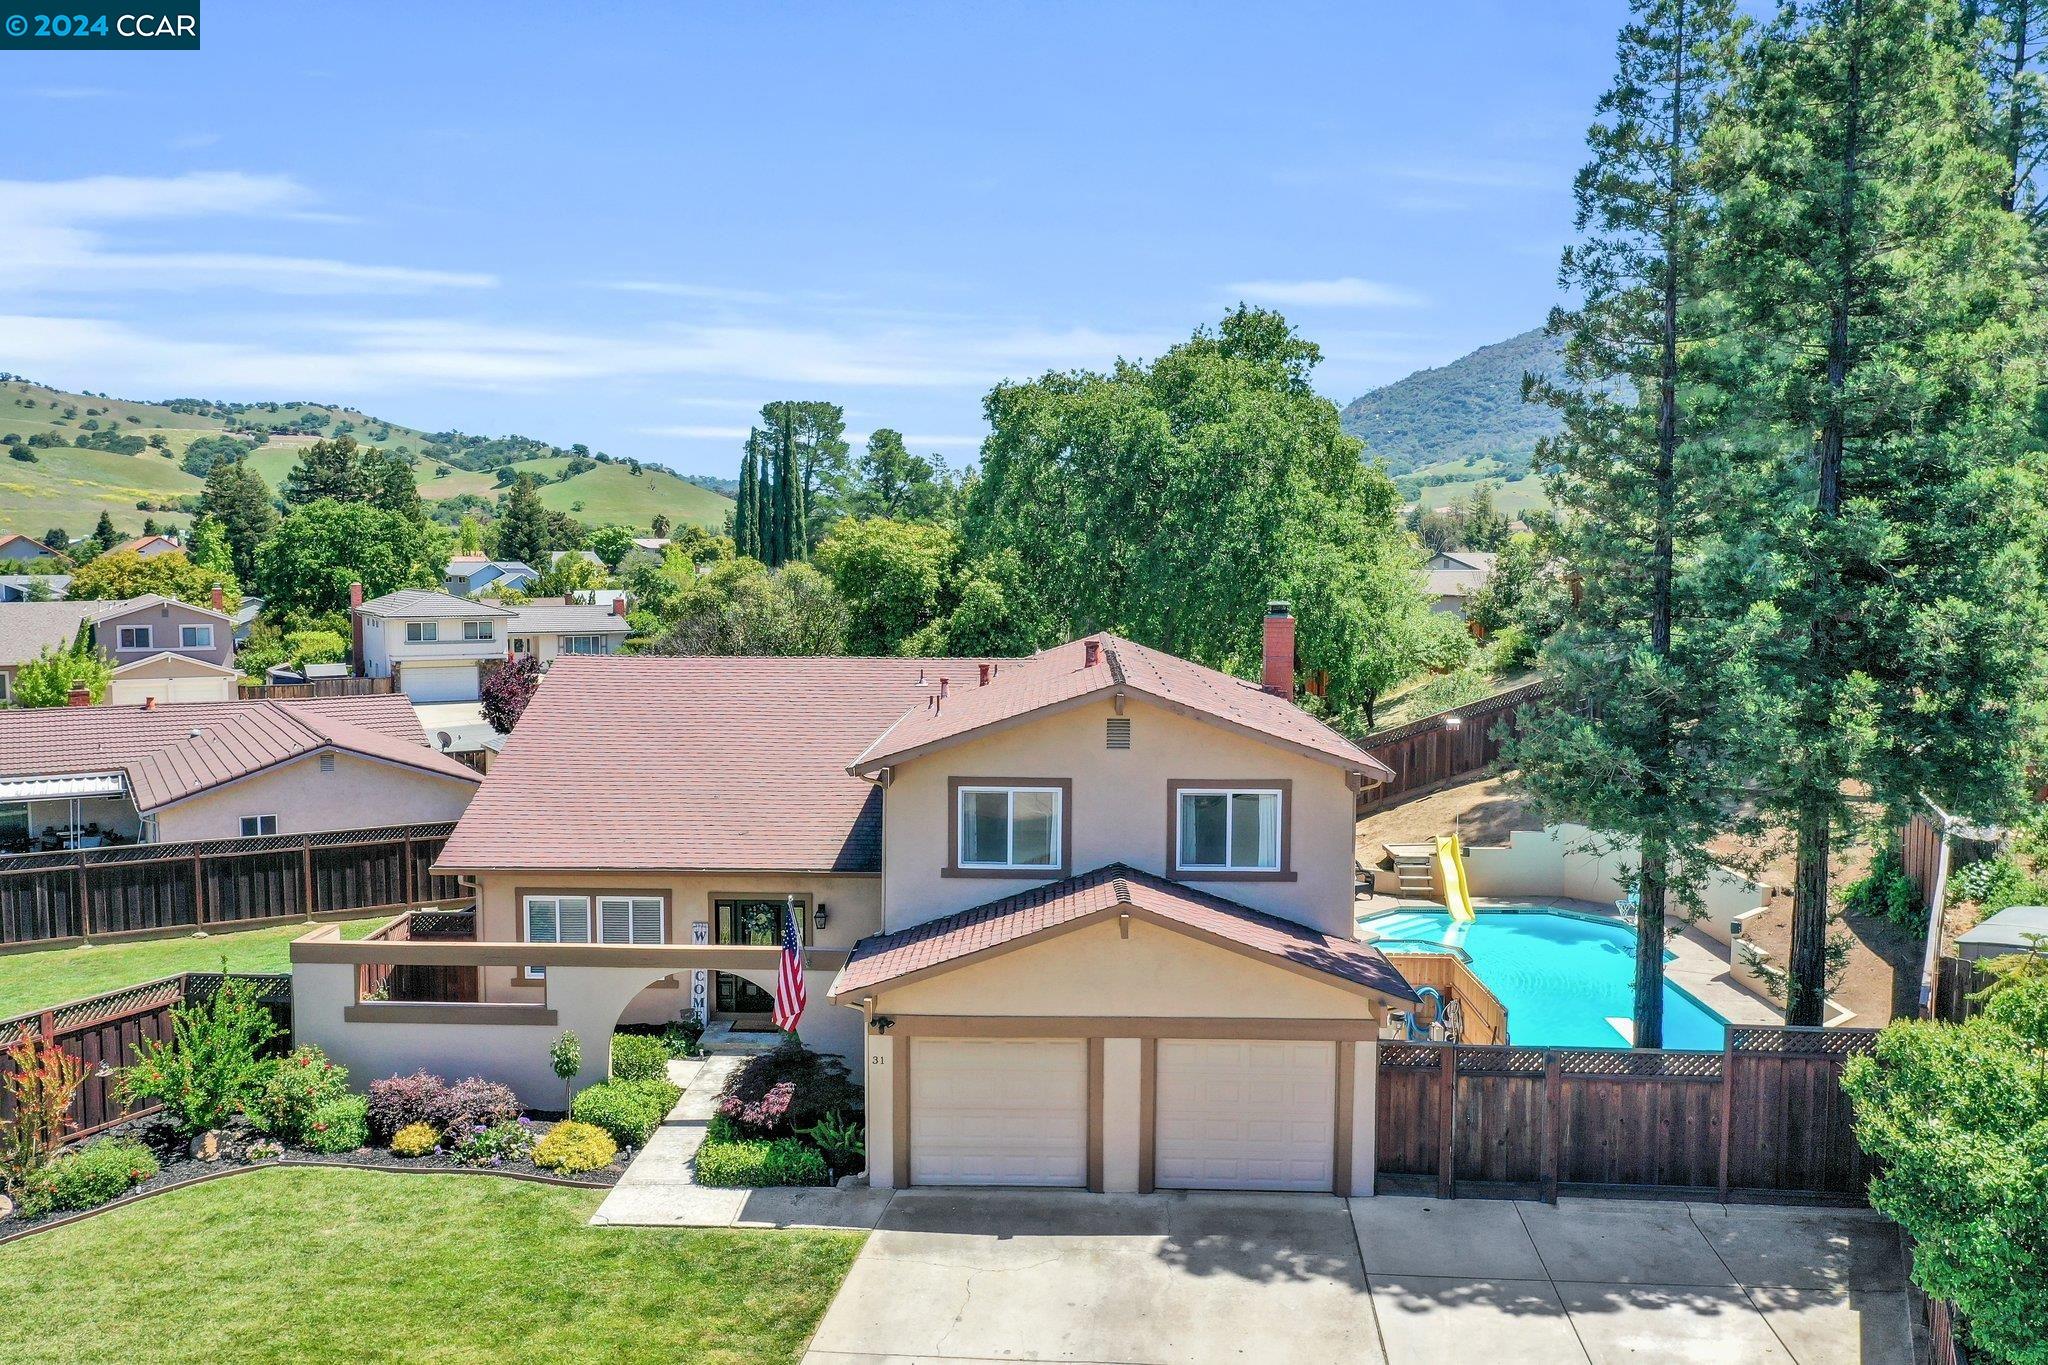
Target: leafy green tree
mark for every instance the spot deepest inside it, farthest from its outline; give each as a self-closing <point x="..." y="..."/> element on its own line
<point x="47" y="679"/>
<point x="387" y="481"/>
<point x="741" y="608"/>
<point x="661" y="526"/>
<point x="570" y="573"/>
<point x="2016" y="128"/>
<point x="895" y="578"/>
<point x="125" y="573"/>
<point x="891" y="482"/>
<point x="236" y="497"/>
<point x="207" y="451"/>
<point x="523" y="527"/>
<point x="1956" y="1120"/>
<point x="469" y="536"/>
<point x="1172" y="501"/>
<point x="207" y="545"/>
<point x="1880" y="320"/>
<point x="611" y="544"/>
<point x="325" y="546"/>
<point x="1649" y="681"/>
<point x="746" y="511"/>
<point x="332" y="468"/>
<point x="1483" y="526"/>
<point x="104" y="537"/>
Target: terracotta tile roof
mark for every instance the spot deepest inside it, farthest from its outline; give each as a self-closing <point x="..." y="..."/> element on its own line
<point x="1107" y="890"/>
<point x="1060" y="674"/>
<point x="424" y="602"/>
<point x="637" y="762"/>
<point x="177" y="750"/>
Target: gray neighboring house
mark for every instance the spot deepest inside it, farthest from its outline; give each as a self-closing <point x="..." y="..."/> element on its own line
<point x="158" y="645"/>
<point x="1452" y="576"/>
<point x="20" y="587"/>
<point x="469" y="575"/>
<point x="549" y="629"/>
<point x="20" y="549"/>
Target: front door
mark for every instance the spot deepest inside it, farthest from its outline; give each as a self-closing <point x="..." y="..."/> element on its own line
<point x="748" y="922"/>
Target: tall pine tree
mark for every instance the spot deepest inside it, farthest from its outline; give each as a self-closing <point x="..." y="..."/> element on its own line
<point x="236" y="496"/>
<point x="332" y="468"/>
<point x="1647" y="676"/>
<point x="523" y="528"/>
<point x="1879" y="290"/>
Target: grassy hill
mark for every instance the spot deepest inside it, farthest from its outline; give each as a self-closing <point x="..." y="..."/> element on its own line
<point x="69" y="485"/>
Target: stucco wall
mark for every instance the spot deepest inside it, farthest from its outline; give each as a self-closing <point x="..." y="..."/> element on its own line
<point x="853" y="911"/>
<point x="360" y="792"/>
<point x="1120" y="810"/>
<point x="1561" y="861"/>
<point x="164" y="620"/>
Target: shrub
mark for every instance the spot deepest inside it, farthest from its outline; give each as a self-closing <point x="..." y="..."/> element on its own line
<point x="756" y="1161"/>
<point x="1886" y="891"/>
<point x="638" y="1057"/>
<point x="500" y="1142"/>
<point x="817" y="1085"/>
<point x="90" y="1177"/>
<point x="472" y="1103"/>
<point x="397" y="1101"/>
<point x="415" y="1139"/>
<point x="340" y="1125"/>
<point x="207" y="1069"/>
<point x="629" y="1110"/>
<point x="565" y="1058"/>
<point x="41" y="1083"/>
<point x="843" y="1140"/>
<point x="1995" y="884"/>
<point x="683" y="1036"/>
<point x="571" y="1147"/>
<point x="291" y="1089"/>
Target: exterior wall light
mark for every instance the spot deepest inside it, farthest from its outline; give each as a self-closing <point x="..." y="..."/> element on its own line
<point x="819" y="916"/>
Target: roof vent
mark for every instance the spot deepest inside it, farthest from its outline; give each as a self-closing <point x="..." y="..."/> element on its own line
<point x="327" y="763"/>
<point x="1119" y="733"/>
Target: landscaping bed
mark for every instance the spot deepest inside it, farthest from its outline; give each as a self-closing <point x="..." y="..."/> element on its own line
<point x="787" y="1117"/>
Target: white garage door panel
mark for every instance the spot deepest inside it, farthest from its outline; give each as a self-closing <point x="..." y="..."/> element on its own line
<point x="998" y="1112"/>
<point x="1246" y="1115"/>
<point x="438" y="684"/>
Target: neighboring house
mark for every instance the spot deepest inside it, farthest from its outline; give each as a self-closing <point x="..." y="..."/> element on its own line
<point x="83" y="776"/>
<point x="549" y="629"/>
<point x="28" y="628"/>
<point x="1452" y="576"/>
<point x="245" y="618"/>
<point x="148" y="547"/>
<point x="587" y="556"/>
<point x="2014" y="929"/>
<point x="21" y="548"/>
<point x="471" y="574"/>
<point x="21" y="587"/>
<point x="1090" y="912"/>
<point x="159" y="647"/>
<point x="433" y="643"/>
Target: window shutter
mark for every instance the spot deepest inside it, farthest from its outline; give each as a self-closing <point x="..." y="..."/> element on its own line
<point x="647" y="921"/>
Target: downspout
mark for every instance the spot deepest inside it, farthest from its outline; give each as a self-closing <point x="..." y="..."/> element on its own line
<point x="1930" y="961"/>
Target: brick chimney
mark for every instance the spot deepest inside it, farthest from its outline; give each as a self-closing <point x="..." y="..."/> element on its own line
<point x="1278" y="676"/>
<point x="355" y="623"/>
<point x="149" y="703"/>
<point x="984" y="673"/>
<point x="220" y="601"/>
<point x="1091" y="653"/>
<point x="619" y="606"/>
<point x="79" y="696"/>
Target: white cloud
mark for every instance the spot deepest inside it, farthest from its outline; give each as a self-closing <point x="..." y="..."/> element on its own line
<point x="1492" y="175"/>
<point x="1346" y="292"/>
<point x="57" y="242"/>
<point x="71" y="92"/>
<point x="710" y="293"/>
<point x="697" y="433"/>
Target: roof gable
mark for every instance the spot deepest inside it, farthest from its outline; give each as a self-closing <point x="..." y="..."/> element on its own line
<point x="427" y="603"/>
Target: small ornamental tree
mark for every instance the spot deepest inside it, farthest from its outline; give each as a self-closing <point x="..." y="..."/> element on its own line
<point x="505" y="693"/>
<point x="211" y="1064"/>
<point x="1956" y="1118"/>
<point x="565" y="1055"/>
<point x="47" y="679"/>
<point x="40" y="1089"/>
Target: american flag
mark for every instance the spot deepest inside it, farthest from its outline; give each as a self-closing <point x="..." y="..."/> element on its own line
<point x="789" y="981"/>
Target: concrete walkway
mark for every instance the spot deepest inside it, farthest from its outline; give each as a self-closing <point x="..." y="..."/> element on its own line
<point x="1197" y="1277"/>
<point x="660" y="1188"/>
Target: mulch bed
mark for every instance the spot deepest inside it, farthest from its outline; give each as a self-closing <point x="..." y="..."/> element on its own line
<point x="180" y="1169"/>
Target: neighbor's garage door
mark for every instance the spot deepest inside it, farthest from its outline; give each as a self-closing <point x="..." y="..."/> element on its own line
<point x="998" y="1112"/>
<point x="1245" y="1115"/>
<point x="426" y="683"/>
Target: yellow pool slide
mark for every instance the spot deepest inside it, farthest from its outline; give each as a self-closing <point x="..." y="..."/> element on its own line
<point x="1450" y="866"/>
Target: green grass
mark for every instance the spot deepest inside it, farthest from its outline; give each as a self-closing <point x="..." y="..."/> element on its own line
<point x="1510" y="496"/>
<point x="290" y="1265"/>
<point x="612" y="495"/>
<point x="51" y="976"/>
<point x="69" y="487"/>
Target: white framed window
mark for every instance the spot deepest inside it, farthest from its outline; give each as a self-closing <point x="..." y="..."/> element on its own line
<point x="422" y="632"/>
<point x="581" y="644"/>
<point x="556" y="919"/>
<point x="1226" y="829"/>
<point x="254" y="825"/>
<point x="134" y="637"/>
<point x="479" y="630"/>
<point x="1009" y="827"/>
<point x="6" y="688"/>
<point x="195" y="637"/>
<point x="522" y="644"/>
<point x="629" y="919"/>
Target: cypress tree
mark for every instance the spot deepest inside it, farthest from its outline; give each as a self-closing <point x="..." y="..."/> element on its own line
<point x="743" y="537"/>
<point x="788" y="482"/>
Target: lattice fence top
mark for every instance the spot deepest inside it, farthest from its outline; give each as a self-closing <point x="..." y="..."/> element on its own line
<point x="443" y="924"/>
<point x="217" y="848"/>
<point x="1807" y="1042"/>
<point x="272" y="988"/>
<point x="1502" y="1061"/>
<point x="1590" y="1062"/>
<point x="78" y="1013"/>
<point x="1411" y="1056"/>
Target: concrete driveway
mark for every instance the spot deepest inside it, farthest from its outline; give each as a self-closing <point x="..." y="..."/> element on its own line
<point x="1020" y="1275"/>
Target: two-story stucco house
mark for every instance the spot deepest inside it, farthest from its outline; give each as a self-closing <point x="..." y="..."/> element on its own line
<point x="1082" y="918"/>
<point x="161" y="649"/>
<point x="433" y="643"/>
<point x="555" y="626"/>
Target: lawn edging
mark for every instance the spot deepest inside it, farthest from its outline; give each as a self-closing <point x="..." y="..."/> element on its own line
<point x="288" y="1163"/>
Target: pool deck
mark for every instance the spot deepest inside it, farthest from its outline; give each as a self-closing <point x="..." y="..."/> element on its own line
<point x="1699" y="967"/>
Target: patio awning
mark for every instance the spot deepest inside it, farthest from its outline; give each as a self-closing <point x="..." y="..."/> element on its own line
<point x="61" y="788"/>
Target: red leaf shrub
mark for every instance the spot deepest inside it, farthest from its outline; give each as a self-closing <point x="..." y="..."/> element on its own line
<point x="791" y="1088"/>
<point x="400" y="1100"/>
<point x="472" y="1103"/>
<point x="507" y="689"/>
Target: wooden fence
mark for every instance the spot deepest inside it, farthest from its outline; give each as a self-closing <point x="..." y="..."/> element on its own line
<point x="140" y="889"/>
<point x="1437" y="750"/>
<point x="103" y="1033"/>
<point x="1763" y="1118"/>
<point x="317" y="687"/>
<point x="445" y="985"/>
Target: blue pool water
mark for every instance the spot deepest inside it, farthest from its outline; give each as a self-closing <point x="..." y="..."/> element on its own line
<point x="1561" y="976"/>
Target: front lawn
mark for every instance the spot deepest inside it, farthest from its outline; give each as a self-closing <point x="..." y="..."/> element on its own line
<point x="51" y="976"/>
<point x="290" y="1264"/>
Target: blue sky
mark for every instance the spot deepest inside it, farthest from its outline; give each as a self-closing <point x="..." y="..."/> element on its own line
<point x="630" y="225"/>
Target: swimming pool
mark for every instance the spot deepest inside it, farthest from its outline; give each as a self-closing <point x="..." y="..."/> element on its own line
<point x="1562" y="976"/>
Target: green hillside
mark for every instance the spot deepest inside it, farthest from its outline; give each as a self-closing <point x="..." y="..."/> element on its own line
<point x="1469" y="410"/>
<point x="69" y="485"/>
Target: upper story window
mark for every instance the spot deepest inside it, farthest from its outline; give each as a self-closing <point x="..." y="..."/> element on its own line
<point x="422" y="632"/>
<point x="254" y="825"/>
<point x="1228" y="829"/>
<point x="582" y="644"/>
<point x="195" y="637"/>
<point x="479" y="630"/>
<point x="1010" y="828"/>
<point x="135" y="637"/>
